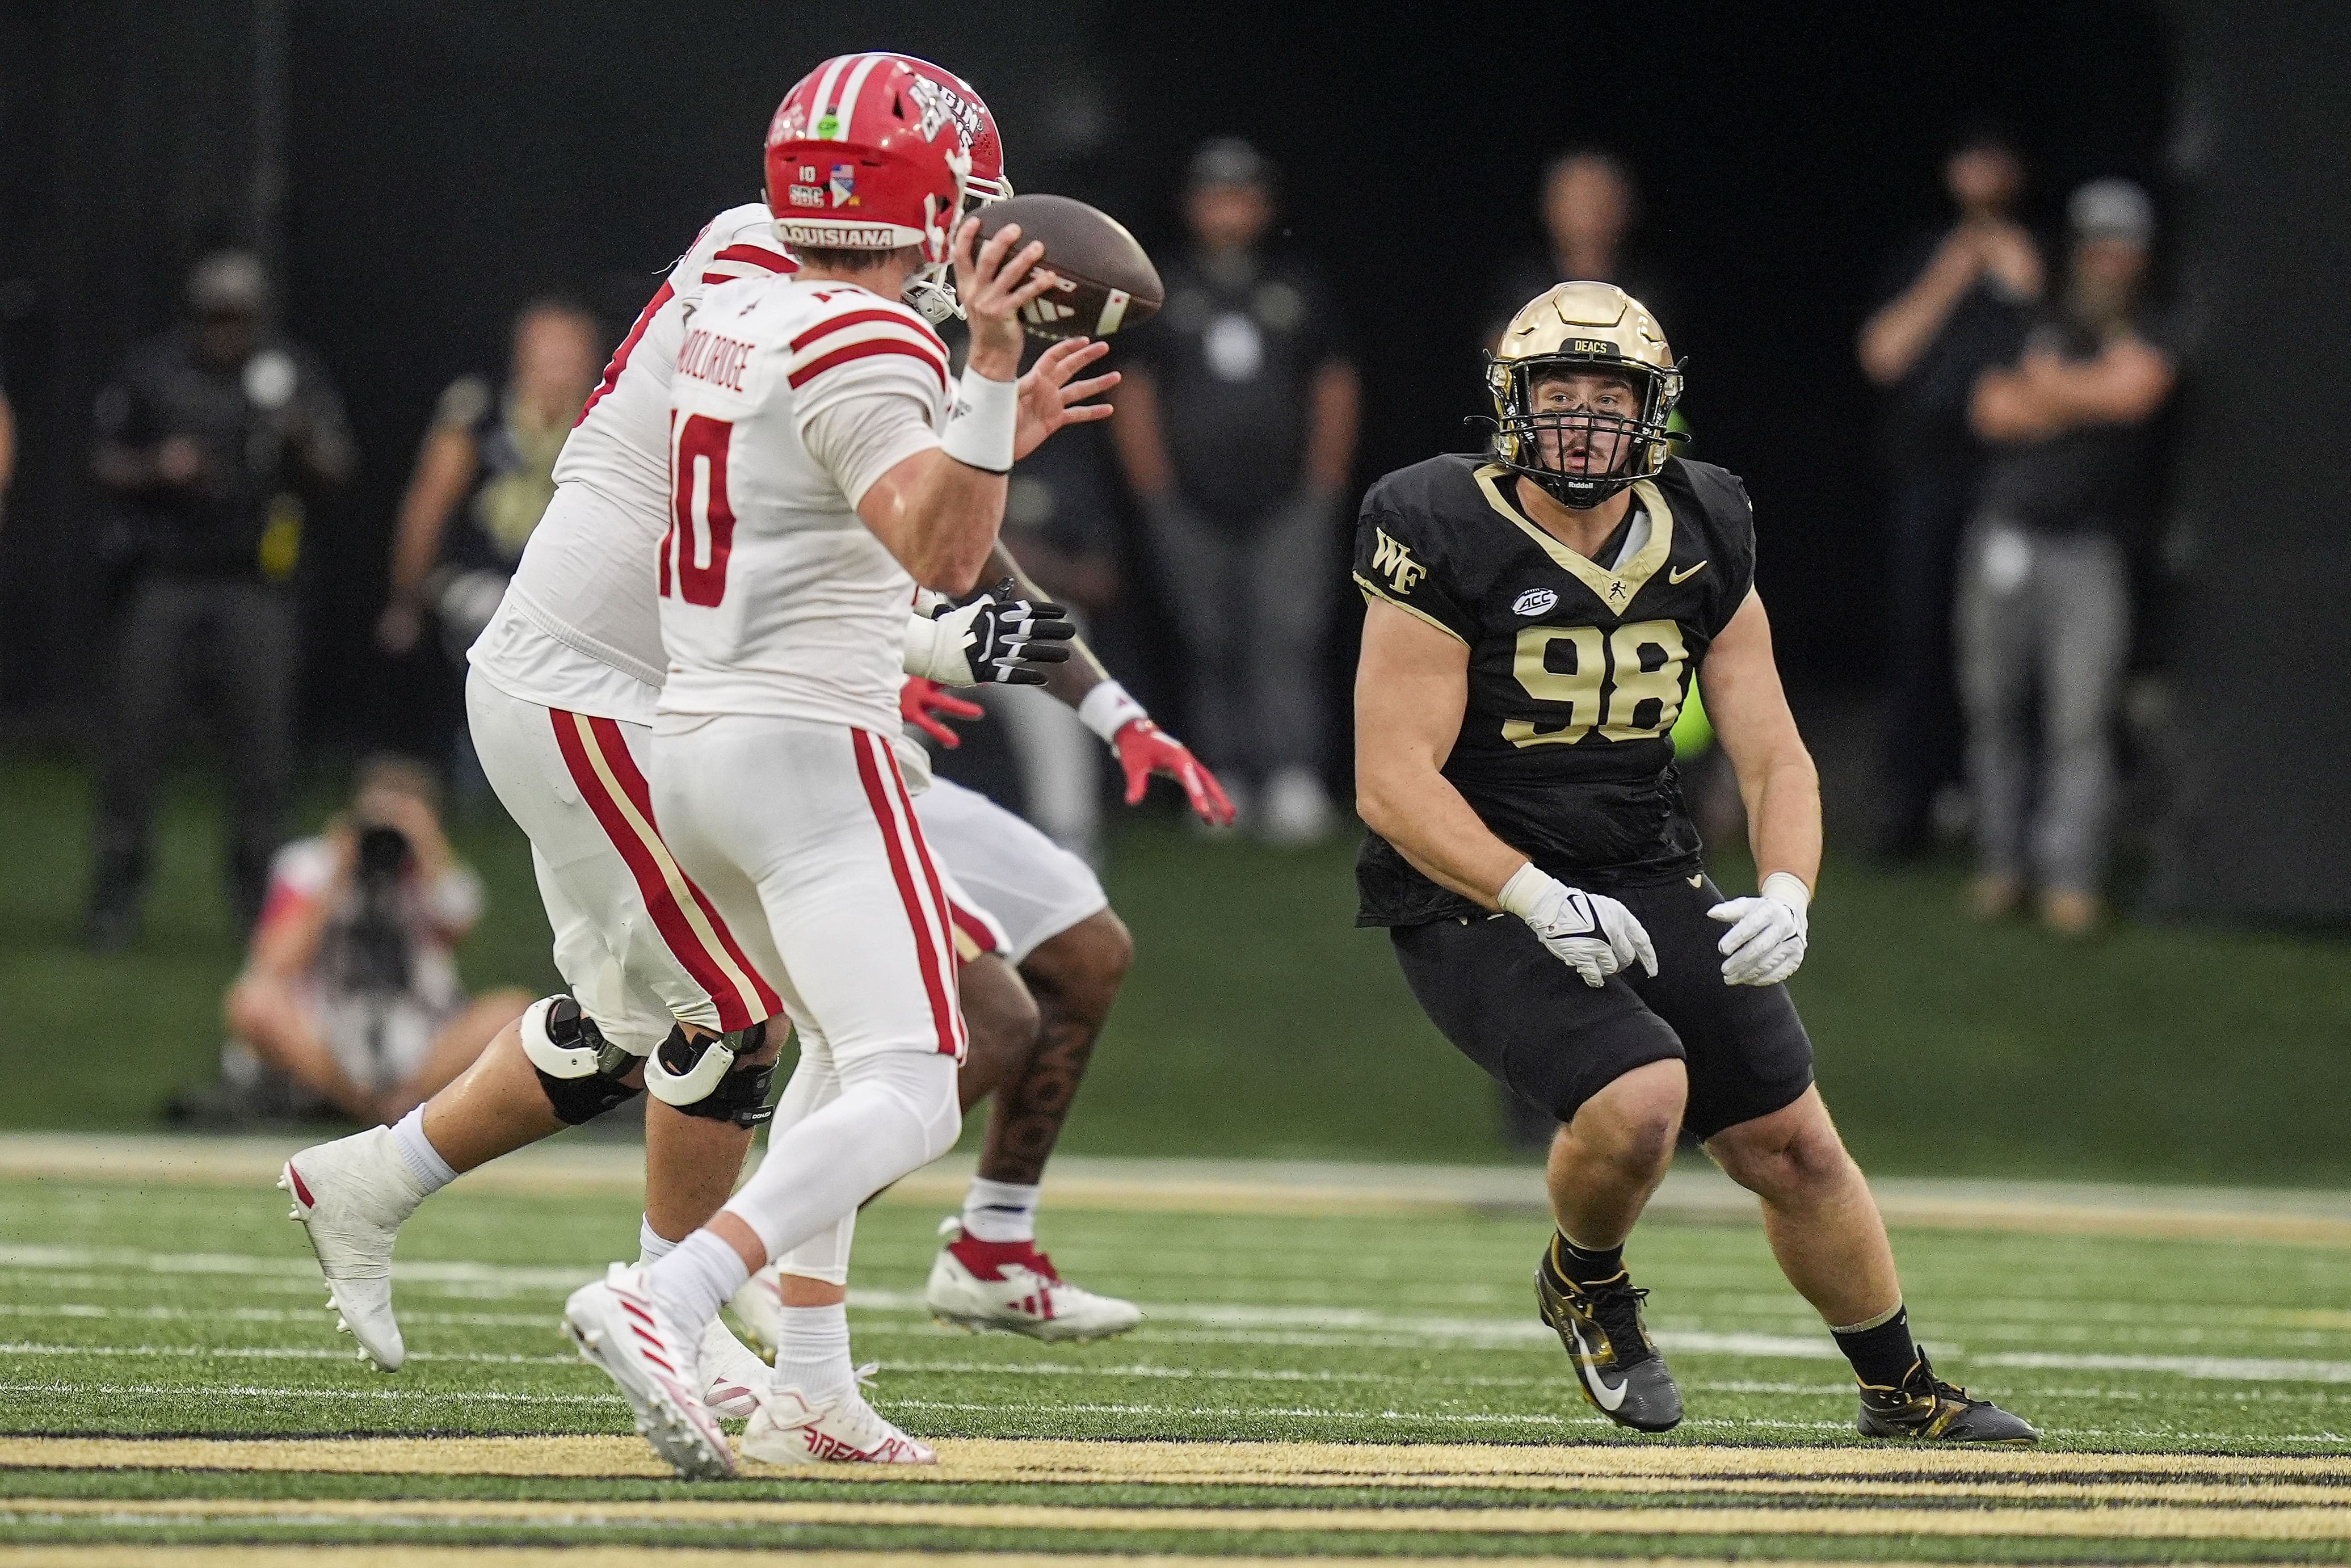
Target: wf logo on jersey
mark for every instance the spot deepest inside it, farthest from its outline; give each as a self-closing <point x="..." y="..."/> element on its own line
<point x="942" y="105"/>
<point x="1403" y="573"/>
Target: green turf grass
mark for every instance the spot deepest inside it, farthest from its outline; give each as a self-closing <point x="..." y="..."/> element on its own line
<point x="1258" y="1021"/>
<point x="159" y="1309"/>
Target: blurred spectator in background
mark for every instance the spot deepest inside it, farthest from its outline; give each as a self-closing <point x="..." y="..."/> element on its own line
<point x="1953" y="303"/>
<point x="487" y="466"/>
<point x="209" y="439"/>
<point x="1236" y="427"/>
<point x="1590" y="207"/>
<point x="350" y="995"/>
<point x="1057" y="523"/>
<point x="2044" y="593"/>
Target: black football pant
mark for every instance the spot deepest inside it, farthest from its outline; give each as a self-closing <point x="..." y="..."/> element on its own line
<point x="1508" y="1004"/>
<point x="225" y="648"/>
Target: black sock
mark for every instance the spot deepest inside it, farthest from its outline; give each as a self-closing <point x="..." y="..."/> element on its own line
<point x="1569" y="1264"/>
<point x="1881" y="1353"/>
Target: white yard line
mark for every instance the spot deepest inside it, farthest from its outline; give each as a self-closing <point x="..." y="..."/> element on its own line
<point x="272" y="1353"/>
<point x="250" y="1391"/>
<point x="1279" y="1186"/>
<point x="1252" y="1319"/>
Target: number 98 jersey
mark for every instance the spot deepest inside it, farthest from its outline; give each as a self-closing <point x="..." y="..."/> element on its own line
<point x="1577" y="670"/>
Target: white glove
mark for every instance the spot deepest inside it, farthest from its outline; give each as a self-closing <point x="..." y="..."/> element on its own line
<point x="998" y="638"/>
<point x="1766" y="939"/>
<point x="1592" y="935"/>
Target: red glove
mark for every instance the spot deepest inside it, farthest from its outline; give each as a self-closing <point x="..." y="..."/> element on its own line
<point x="1143" y="748"/>
<point x="923" y="704"/>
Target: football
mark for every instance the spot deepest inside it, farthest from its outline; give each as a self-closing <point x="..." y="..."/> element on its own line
<point x="1106" y="282"/>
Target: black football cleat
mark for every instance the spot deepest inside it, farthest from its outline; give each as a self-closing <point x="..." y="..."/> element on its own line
<point x="1923" y="1406"/>
<point x="1616" y="1362"/>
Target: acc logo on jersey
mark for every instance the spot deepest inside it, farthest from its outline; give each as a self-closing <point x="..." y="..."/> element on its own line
<point x="1403" y="573"/>
<point x="843" y="185"/>
<point x="1533" y="602"/>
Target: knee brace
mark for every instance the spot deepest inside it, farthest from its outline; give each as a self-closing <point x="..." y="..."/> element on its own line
<point x="582" y="1072"/>
<point x="706" y="1077"/>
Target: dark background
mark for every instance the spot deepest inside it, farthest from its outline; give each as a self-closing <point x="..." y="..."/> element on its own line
<point x="446" y="161"/>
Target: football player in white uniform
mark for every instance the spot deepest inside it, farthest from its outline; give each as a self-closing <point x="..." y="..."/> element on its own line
<point x="823" y="465"/>
<point x="564" y="685"/>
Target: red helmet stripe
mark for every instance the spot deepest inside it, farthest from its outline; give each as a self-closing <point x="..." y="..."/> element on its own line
<point x="828" y="77"/>
<point x="855" y="89"/>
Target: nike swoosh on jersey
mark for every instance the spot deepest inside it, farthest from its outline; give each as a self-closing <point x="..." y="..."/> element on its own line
<point x="1677" y="578"/>
<point x="1607" y="1398"/>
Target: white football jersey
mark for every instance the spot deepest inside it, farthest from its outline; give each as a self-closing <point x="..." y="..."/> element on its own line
<point x="579" y="629"/>
<point x="788" y="399"/>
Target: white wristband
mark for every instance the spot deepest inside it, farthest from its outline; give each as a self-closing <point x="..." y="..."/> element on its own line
<point x="980" y="426"/>
<point x="920" y="656"/>
<point x="1525" y="889"/>
<point x="1789" y="889"/>
<point x="1107" y="709"/>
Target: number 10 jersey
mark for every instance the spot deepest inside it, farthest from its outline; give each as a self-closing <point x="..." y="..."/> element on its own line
<point x="1577" y="671"/>
<point x="787" y="400"/>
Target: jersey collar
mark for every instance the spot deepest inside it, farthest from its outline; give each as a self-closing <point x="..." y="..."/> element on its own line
<point x="1614" y="590"/>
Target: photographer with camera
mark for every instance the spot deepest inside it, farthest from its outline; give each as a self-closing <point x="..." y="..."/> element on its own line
<point x="350" y="987"/>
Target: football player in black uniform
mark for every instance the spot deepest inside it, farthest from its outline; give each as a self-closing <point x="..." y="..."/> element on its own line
<point x="1535" y="615"/>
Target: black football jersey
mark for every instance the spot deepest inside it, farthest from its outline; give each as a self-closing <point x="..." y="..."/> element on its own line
<point x="1577" y="671"/>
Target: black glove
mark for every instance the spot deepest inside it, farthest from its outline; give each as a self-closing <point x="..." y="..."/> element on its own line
<point x="999" y="639"/>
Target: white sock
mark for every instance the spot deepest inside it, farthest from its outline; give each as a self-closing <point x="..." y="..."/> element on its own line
<point x="999" y="1211"/>
<point x="416" y="1152"/>
<point x="814" y="1355"/>
<point x="699" y="1273"/>
<point x="651" y="1245"/>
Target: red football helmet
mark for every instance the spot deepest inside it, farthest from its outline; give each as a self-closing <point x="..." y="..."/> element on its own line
<point x="880" y="152"/>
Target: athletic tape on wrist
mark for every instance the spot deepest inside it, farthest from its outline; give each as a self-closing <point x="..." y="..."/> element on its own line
<point x="1789" y="889"/>
<point x="1107" y="709"/>
<point x="1525" y="889"/>
<point x="980" y="426"/>
<point x="920" y="655"/>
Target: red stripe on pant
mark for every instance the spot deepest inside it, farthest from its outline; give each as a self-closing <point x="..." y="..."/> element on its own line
<point x="670" y="920"/>
<point x="939" y="899"/>
<point x="623" y="764"/>
<point x="973" y="926"/>
<point x="947" y="1016"/>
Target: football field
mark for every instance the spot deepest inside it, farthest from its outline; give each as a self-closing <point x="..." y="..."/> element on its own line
<point x="1340" y="1362"/>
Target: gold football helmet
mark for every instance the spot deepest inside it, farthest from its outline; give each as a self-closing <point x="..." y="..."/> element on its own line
<point x="1582" y="326"/>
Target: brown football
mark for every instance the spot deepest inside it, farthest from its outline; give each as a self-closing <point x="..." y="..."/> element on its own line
<point x="1106" y="282"/>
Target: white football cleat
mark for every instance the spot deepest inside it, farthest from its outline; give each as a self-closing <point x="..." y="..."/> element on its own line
<point x="791" y="1429"/>
<point x="350" y="1197"/>
<point x="1012" y="1286"/>
<point x="620" y="1327"/>
<point x="733" y="1375"/>
<point x="759" y="1306"/>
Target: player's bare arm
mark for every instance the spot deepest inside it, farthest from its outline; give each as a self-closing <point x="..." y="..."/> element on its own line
<point x="938" y="511"/>
<point x="1777" y="780"/>
<point x="1412" y="685"/>
<point x="1766" y="934"/>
